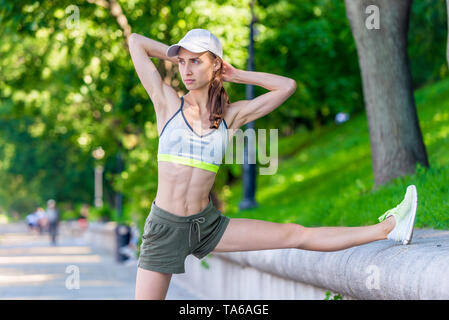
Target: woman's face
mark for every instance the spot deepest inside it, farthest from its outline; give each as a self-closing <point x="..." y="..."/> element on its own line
<point x="196" y="66"/>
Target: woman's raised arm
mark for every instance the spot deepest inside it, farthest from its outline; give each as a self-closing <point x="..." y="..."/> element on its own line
<point x="141" y="49"/>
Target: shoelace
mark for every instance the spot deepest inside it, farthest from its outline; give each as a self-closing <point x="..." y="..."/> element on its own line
<point x="385" y="215"/>
<point x="195" y="223"/>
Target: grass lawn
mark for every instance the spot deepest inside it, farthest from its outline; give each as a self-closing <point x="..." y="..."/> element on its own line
<point x="325" y="177"/>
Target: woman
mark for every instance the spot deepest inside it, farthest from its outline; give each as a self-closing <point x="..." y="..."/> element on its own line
<point x="182" y="219"/>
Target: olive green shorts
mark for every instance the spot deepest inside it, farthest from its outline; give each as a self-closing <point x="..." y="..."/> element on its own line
<point x="169" y="238"/>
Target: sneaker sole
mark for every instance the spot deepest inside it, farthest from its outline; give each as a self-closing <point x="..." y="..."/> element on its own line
<point x="409" y="236"/>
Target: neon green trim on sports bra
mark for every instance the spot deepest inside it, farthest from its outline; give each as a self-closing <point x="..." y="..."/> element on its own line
<point x="179" y="143"/>
<point x="189" y="162"/>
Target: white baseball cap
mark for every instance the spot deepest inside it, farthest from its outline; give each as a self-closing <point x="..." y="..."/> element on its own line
<point x="197" y="40"/>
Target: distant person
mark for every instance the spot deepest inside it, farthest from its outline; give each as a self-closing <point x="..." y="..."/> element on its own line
<point x="135" y="236"/>
<point x="53" y="220"/>
<point x="32" y="222"/>
<point x="41" y="219"/>
<point x="82" y="220"/>
<point x="84" y="213"/>
<point x="130" y="249"/>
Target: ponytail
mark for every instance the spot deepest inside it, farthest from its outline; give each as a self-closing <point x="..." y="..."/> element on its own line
<point x="217" y="96"/>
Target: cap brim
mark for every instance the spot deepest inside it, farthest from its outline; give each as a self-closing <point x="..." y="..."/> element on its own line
<point x="174" y="49"/>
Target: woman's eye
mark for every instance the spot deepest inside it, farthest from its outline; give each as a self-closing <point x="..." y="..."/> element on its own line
<point x="183" y="61"/>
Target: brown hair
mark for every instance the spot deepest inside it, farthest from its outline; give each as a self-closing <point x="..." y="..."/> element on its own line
<point x="217" y="96"/>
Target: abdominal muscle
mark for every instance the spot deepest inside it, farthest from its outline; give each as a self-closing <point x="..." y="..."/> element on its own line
<point x="183" y="190"/>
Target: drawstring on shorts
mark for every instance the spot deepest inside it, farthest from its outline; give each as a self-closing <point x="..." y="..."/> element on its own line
<point x="195" y="223"/>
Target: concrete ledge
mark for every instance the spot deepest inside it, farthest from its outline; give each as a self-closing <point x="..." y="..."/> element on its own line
<point x="379" y="270"/>
<point x="226" y="279"/>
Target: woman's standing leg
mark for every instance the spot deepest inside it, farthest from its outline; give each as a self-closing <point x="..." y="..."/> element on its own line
<point x="151" y="285"/>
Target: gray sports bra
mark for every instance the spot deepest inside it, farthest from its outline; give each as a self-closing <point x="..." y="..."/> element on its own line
<point x="178" y="143"/>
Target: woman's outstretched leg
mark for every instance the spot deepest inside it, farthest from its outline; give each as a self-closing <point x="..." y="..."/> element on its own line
<point x="338" y="238"/>
<point x="251" y="234"/>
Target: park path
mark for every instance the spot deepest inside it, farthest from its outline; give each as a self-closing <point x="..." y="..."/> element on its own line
<point x="31" y="268"/>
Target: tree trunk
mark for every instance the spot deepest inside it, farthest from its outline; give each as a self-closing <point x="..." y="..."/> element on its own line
<point x="395" y="135"/>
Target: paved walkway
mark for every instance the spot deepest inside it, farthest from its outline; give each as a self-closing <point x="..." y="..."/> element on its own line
<point x="30" y="268"/>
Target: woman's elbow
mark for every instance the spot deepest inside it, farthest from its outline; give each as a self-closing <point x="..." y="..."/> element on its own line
<point x="292" y="86"/>
<point x="133" y="37"/>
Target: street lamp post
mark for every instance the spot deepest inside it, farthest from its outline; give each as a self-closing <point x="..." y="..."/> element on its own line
<point x="118" y="199"/>
<point x="98" y="154"/>
<point x="249" y="169"/>
<point x="98" y="186"/>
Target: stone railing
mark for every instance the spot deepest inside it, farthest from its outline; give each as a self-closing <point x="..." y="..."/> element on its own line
<point x="378" y="270"/>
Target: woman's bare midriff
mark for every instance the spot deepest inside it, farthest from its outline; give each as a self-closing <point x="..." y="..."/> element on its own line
<point x="183" y="190"/>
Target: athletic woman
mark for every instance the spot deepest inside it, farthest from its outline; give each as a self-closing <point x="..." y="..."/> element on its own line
<point x="193" y="135"/>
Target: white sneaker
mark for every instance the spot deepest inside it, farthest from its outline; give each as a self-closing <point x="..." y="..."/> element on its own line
<point x="404" y="215"/>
